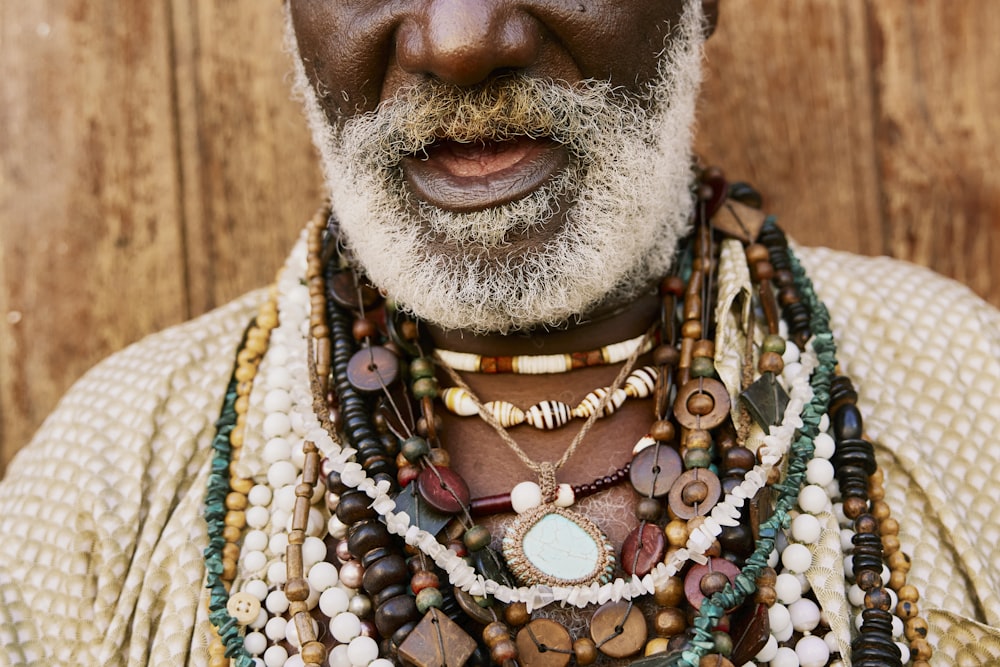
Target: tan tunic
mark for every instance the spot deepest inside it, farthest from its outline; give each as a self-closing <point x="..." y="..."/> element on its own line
<point x="100" y="517"/>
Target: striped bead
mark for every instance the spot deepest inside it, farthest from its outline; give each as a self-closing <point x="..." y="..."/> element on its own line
<point x="507" y="414"/>
<point x="548" y="415"/>
<point x="592" y="400"/>
<point x="459" y="402"/>
<point x="641" y="382"/>
<point x="541" y="364"/>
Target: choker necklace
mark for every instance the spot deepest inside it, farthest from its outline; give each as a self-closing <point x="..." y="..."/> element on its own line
<point x="547" y="415"/>
<point x="361" y="584"/>
<point x="539" y="364"/>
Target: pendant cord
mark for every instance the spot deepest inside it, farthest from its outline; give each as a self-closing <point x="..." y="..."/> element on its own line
<point x="542" y="468"/>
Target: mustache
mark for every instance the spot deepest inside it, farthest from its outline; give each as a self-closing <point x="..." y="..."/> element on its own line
<point x="501" y="109"/>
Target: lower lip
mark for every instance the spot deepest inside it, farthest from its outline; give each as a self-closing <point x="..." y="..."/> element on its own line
<point x="464" y="178"/>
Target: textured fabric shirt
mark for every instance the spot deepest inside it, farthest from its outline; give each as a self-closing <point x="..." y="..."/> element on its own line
<point x="100" y="516"/>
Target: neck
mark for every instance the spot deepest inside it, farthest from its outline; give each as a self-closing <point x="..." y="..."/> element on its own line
<point x="607" y="324"/>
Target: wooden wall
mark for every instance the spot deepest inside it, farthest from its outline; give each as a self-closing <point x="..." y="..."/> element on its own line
<point x="153" y="165"/>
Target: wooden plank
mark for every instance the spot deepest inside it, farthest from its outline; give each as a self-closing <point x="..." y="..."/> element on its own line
<point x="90" y="245"/>
<point x="938" y="86"/>
<point x="786" y="105"/>
<point x="250" y="173"/>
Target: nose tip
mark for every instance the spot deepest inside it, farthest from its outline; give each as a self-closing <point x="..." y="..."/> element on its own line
<point x="463" y="43"/>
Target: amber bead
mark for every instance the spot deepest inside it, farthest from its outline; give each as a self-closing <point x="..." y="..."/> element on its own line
<point x="297" y="589"/>
<point x="890" y="544"/>
<point x="231" y="551"/>
<point x="694" y="492"/>
<point x="585" y="651"/>
<point x="516" y="614"/>
<point x="700" y="404"/>
<point x="676" y="532"/>
<point x="691" y="329"/>
<point x="868" y="579"/>
<point x="899" y="561"/>
<point x="363" y="328"/>
<point x="698" y="438"/>
<point x="920" y="649"/>
<point x="889" y="526"/>
<point x="897" y="579"/>
<point x="878" y="598"/>
<point x="669" y="622"/>
<point x="703" y="348"/>
<point x="865" y="523"/>
<point x="916" y="628"/>
<point x="671" y="593"/>
<point x="880" y="510"/>
<point x="767" y="577"/>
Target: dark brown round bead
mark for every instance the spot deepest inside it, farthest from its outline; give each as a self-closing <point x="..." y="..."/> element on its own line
<point x="671" y="593"/>
<point x="384" y="572"/>
<point x="516" y="614"/>
<point x="868" y="579"/>
<point x="494" y="633"/>
<point x="393" y="613"/>
<point x="713" y="582"/>
<point x="757" y="252"/>
<point x="766" y="595"/>
<point x="770" y="362"/>
<point x="738" y="457"/>
<point x="363" y="328"/>
<point x="855" y="507"/>
<point x="762" y="270"/>
<point x="438" y="456"/>
<point x="662" y="430"/>
<point x="648" y="509"/>
<point x="700" y="404"/>
<point x="694" y="492"/>
<point x="672" y="285"/>
<point x="865" y="523"/>
<point x="878" y="598"/>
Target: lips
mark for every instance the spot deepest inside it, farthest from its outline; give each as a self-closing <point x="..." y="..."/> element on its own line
<point x="469" y="177"/>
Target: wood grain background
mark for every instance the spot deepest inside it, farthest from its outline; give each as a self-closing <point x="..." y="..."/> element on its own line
<point x="153" y="165"/>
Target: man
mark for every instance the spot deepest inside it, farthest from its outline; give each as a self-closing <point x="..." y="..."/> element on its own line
<point x="517" y="178"/>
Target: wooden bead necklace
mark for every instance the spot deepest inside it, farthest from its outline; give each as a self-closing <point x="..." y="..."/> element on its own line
<point x="540" y="364"/>
<point x="419" y="625"/>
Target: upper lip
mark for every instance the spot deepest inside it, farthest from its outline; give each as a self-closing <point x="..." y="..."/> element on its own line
<point x="469" y="177"/>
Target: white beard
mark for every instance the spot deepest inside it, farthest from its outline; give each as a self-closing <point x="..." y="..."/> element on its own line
<point x="628" y="184"/>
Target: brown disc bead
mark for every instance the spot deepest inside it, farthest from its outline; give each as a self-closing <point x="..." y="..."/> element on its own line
<point x="516" y="614"/>
<point x="544" y="643"/>
<point x="443" y="489"/>
<point x="669" y="622"/>
<point x="654" y="470"/>
<point x="648" y="509"/>
<point x="618" y="629"/>
<point x="770" y="362"/>
<point x="685" y="510"/>
<point x="371" y="368"/>
<point x="671" y="593"/>
<point x="642" y="549"/>
<point x="662" y="430"/>
<point x="585" y="651"/>
<point x="385" y="571"/>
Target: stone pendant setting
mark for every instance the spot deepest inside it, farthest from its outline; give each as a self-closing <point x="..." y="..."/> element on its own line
<point x="553" y="546"/>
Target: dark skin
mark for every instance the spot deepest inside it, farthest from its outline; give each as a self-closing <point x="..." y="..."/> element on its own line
<point x="361" y="52"/>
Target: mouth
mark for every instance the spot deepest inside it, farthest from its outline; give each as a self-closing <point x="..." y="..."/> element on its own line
<point x="465" y="177"/>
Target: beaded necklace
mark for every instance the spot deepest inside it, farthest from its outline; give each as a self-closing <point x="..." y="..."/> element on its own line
<point x="359" y="490"/>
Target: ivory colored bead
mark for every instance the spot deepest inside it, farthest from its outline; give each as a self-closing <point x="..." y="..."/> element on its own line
<point x="806" y="528"/>
<point x="275" y="628"/>
<point x="819" y="472"/>
<point x="824" y="446"/>
<point x="275" y="656"/>
<point x="362" y="650"/>
<point x="805" y="615"/>
<point x="788" y="588"/>
<point x="255" y="643"/>
<point x="796" y="558"/>
<point x="779" y="618"/>
<point x="525" y="496"/>
<point x="345" y="626"/>
<point x="812" y="651"/>
<point x="323" y="575"/>
<point x="813" y="499"/>
<point x="333" y="601"/>
<point x="785" y="657"/>
<point x="770" y="650"/>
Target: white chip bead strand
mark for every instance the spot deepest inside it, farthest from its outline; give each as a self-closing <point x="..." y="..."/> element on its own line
<point x="812" y="651"/>
<point x="525" y="496"/>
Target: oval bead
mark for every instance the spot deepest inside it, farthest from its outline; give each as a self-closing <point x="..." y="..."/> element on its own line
<point x="548" y="415"/>
<point x="643" y="549"/>
<point x="507" y="414"/>
<point x="459" y="401"/>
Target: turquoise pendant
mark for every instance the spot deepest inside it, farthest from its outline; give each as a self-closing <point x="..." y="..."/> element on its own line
<point x="553" y="546"/>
